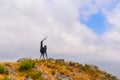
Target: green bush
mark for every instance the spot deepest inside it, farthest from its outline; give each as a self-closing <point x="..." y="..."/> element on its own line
<point x="85" y="68"/>
<point x="108" y="75"/>
<point x="26" y="65"/>
<point x="3" y="70"/>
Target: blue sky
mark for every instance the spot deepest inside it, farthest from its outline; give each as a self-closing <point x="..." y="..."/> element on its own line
<point x="96" y="22"/>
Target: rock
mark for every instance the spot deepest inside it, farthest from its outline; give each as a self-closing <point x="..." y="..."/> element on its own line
<point x="102" y="76"/>
<point x="45" y="76"/>
<point x="94" y="67"/>
<point x="38" y="69"/>
<point x="62" y="77"/>
<point x="28" y="78"/>
<point x="50" y="59"/>
<point x="11" y="70"/>
<point x="11" y="79"/>
<point x="55" y="76"/>
<point x="23" y="59"/>
<point x="61" y="60"/>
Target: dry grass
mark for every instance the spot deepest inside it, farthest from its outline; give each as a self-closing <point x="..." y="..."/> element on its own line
<point x="50" y="67"/>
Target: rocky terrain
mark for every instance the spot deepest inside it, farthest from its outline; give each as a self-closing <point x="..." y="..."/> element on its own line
<point x="51" y="69"/>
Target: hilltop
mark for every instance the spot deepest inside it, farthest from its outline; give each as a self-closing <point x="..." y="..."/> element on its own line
<point x="51" y="69"/>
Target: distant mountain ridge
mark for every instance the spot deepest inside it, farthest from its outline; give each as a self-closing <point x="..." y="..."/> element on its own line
<point x="51" y="69"/>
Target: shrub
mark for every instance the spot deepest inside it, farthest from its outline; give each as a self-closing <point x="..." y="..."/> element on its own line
<point x="60" y="62"/>
<point x="108" y="75"/>
<point x="85" y="68"/>
<point x="71" y="64"/>
<point x="114" y="78"/>
<point x="26" y="65"/>
<point x="48" y="66"/>
<point x="52" y="72"/>
<point x="3" y="70"/>
<point x="62" y="73"/>
<point x="36" y="75"/>
<point x="5" y="78"/>
<point x="52" y="66"/>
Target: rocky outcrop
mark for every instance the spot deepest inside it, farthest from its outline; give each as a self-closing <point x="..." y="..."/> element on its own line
<point x="23" y="59"/>
<point x="61" y="77"/>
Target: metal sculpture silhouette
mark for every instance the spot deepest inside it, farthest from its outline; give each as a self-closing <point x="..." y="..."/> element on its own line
<point x="43" y="49"/>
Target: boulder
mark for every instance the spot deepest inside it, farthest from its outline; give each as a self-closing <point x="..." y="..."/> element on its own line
<point x="62" y="77"/>
<point x="11" y="78"/>
<point x="28" y="78"/>
<point x="50" y="59"/>
<point x="38" y="69"/>
<point x="11" y="70"/>
<point x="61" y="60"/>
<point x="23" y="59"/>
<point x="45" y="76"/>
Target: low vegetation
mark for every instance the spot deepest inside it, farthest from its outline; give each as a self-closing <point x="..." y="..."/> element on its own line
<point x="26" y="65"/>
<point x="54" y="69"/>
<point x="35" y="75"/>
<point x="5" y="78"/>
<point x="3" y="70"/>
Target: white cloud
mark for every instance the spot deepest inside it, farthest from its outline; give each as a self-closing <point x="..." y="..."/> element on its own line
<point x="89" y="7"/>
<point x="114" y="16"/>
<point x="31" y="20"/>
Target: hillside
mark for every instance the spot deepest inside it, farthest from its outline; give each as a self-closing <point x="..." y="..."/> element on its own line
<point x="51" y="69"/>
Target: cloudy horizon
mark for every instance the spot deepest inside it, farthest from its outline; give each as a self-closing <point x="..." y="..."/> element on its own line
<point x="85" y="31"/>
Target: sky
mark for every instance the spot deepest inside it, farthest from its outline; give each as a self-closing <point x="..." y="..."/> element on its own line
<point x="85" y="31"/>
<point x="97" y="22"/>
